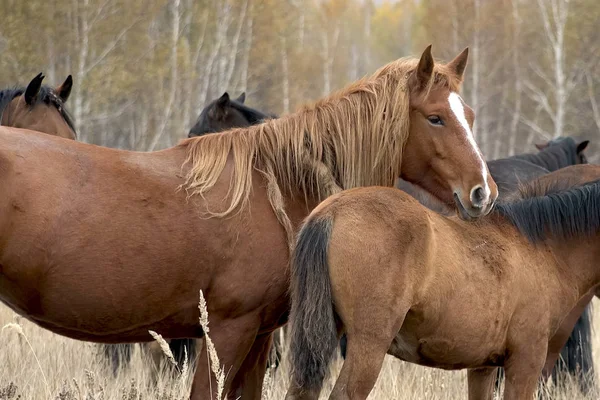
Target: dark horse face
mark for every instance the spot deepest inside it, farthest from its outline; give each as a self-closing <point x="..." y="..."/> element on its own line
<point x="224" y="113"/>
<point x="573" y="150"/>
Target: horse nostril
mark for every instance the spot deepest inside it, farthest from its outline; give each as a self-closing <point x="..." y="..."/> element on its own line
<point x="477" y="196"/>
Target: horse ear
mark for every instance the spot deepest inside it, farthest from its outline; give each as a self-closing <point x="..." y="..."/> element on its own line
<point x="581" y="146"/>
<point x="223" y="100"/>
<point x="424" y="70"/>
<point x="541" y="146"/>
<point x="459" y="63"/>
<point x="242" y="98"/>
<point x="63" y="91"/>
<point x="33" y="89"/>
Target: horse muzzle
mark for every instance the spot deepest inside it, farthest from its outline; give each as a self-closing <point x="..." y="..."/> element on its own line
<point x="478" y="204"/>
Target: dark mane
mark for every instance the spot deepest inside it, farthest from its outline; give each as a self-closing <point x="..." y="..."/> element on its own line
<point x="46" y="95"/>
<point x="554" y="211"/>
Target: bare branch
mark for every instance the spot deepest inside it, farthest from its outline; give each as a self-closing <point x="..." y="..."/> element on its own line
<point x="110" y="46"/>
<point x="536" y="128"/>
<point x="540" y="98"/>
<point x="592" y="97"/>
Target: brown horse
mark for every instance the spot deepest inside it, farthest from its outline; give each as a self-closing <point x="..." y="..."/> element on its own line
<point x="128" y="251"/>
<point x="436" y="291"/>
<point x="38" y="108"/>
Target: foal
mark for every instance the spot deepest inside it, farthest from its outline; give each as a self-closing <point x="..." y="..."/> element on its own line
<point x="436" y="291"/>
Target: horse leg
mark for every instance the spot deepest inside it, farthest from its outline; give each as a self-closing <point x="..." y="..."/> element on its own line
<point x="118" y="354"/>
<point x="563" y="334"/>
<point x="522" y="370"/>
<point x="364" y="358"/>
<point x="481" y="383"/>
<point x="576" y="356"/>
<point x="367" y="343"/>
<point x="232" y="341"/>
<point x="248" y="382"/>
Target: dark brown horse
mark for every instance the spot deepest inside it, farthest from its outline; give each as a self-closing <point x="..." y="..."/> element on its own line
<point x="142" y="233"/>
<point x="401" y="279"/>
<point x="224" y="113"/>
<point x="38" y="107"/>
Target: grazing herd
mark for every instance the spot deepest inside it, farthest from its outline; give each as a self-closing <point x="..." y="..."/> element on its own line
<point x="300" y="218"/>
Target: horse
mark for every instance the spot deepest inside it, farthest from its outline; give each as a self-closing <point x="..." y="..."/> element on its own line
<point x="224" y="113"/>
<point x="509" y="173"/>
<point x="38" y="107"/>
<point x="219" y="115"/>
<point x="143" y="232"/>
<point x="555" y="154"/>
<point x="42" y="108"/>
<point x="398" y="278"/>
<point x="576" y="356"/>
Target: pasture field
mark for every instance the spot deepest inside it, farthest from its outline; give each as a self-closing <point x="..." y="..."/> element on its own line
<point x="37" y="364"/>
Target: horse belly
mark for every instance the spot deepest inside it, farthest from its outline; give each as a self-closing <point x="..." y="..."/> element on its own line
<point x="451" y="342"/>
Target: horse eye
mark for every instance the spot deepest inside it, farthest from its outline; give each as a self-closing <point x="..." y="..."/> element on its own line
<point x="435" y="120"/>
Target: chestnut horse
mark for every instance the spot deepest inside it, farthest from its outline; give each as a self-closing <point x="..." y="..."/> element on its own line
<point x="38" y="108"/>
<point x="128" y="251"/>
<point x="576" y="356"/>
<point x="401" y="279"/>
<point x="219" y="115"/>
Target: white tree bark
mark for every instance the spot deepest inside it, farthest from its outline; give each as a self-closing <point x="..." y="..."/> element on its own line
<point x="286" y="76"/>
<point x="234" y="45"/>
<point x="474" y="59"/>
<point x="328" y="54"/>
<point x="554" y="14"/>
<point x="247" y="49"/>
<point x="455" y="26"/>
<point x="175" y="21"/>
<point x="592" y="96"/>
<point x="516" y="114"/>
<point x="83" y="33"/>
<point x="367" y="39"/>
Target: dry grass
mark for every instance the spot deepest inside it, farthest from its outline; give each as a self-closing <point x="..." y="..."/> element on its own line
<point x="36" y="364"/>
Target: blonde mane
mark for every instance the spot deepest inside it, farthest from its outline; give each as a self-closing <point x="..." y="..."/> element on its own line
<point x="354" y="137"/>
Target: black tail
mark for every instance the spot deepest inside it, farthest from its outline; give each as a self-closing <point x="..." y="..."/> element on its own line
<point x="314" y="332"/>
<point x="576" y="357"/>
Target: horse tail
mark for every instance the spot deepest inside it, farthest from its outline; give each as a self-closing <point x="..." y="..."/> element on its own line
<point x="314" y="332"/>
<point x="576" y="356"/>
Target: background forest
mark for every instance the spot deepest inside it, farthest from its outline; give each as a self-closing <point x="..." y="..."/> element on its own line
<point x="144" y="69"/>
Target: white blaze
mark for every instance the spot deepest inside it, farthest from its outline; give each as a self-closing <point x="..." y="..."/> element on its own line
<point x="456" y="105"/>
